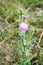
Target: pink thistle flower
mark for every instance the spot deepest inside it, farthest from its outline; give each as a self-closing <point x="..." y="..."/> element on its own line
<point x="23" y="27"/>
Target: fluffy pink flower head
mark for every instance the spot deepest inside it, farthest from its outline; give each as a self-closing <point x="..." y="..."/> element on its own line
<point x="24" y="17"/>
<point x="23" y="26"/>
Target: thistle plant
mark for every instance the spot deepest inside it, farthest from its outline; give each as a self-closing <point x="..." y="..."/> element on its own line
<point x="23" y="27"/>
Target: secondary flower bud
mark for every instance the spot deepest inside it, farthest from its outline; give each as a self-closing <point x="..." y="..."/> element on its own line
<point x="24" y="17"/>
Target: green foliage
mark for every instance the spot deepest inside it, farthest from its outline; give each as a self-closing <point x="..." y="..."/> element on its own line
<point x="32" y="3"/>
<point x="8" y="10"/>
<point x="25" y="62"/>
<point x="36" y="18"/>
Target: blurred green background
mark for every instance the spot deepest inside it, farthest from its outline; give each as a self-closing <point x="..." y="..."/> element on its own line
<point x="9" y="38"/>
